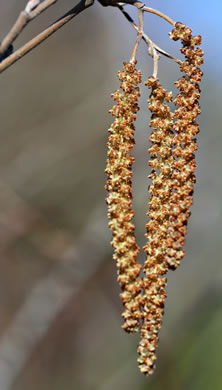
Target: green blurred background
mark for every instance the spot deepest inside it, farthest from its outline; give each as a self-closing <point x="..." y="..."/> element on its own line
<point x="60" y="313"/>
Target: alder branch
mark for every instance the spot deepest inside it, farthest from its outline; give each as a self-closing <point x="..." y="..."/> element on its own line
<point x="49" y="297"/>
<point x="161" y="14"/>
<point x="139" y="5"/>
<point x="139" y="35"/>
<point x="21" y="52"/>
<point x="145" y="37"/>
<point x="156" y="58"/>
<point x="33" y="9"/>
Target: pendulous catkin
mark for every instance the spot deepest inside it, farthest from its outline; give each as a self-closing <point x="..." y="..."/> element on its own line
<point x="173" y="165"/>
<point x="119" y="200"/>
<point x="157" y="228"/>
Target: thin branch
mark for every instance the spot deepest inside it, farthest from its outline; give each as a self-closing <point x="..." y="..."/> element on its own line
<point x="35" y="8"/>
<point x="140" y="5"/>
<point x="49" y="296"/>
<point x="145" y="37"/>
<point x="139" y="35"/>
<point x="81" y="6"/>
<point x="32" y="10"/>
<point x="156" y="58"/>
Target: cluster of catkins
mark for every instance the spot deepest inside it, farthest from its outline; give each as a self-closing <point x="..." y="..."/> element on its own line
<point x="172" y="163"/>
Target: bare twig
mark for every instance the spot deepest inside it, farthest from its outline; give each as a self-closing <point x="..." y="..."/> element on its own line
<point x="35" y="8"/>
<point x="32" y="10"/>
<point x="139" y="35"/>
<point x="156" y="58"/>
<point x="145" y="37"/>
<point x="81" y="6"/>
<point x="140" y="5"/>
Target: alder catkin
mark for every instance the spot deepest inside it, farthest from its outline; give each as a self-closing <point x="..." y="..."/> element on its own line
<point x="119" y="200"/>
<point x="172" y="163"/>
<point x="173" y="166"/>
<point x="185" y="128"/>
<point x="156" y="266"/>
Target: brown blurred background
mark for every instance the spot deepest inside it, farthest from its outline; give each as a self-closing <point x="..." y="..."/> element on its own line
<point x="60" y="314"/>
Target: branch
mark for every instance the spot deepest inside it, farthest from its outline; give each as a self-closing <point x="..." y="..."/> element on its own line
<point x="35" y="8"/>
<point x="49" y="297"/>
<point x="156" y="57"/>
<point x="32" y="10"/>
<point x="145" y="37"/>
<point x="81" y="6"/>
<point x="140" y="5"/>
<point x="139" y="35"/>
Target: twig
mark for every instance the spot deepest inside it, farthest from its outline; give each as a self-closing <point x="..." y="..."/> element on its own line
<point x="156" y="58"/>
<point x="161" y="14"/>
<point x="81" y="6"/>
<point x="140" y="5"/>
<point x="139" y="35"/>
<point x="35" y="8"/>
<point x="32" y="10"/>
<point x="145" y="37"/>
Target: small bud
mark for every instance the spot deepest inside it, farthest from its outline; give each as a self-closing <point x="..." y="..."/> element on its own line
<point x="31" y="5"/>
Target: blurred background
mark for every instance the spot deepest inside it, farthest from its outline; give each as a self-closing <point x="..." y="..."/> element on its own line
<point x="60" y="313"/>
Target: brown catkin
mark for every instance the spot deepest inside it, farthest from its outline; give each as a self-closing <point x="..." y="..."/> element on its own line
<point x="156" y="265"/>
<point x="173" y="165"/>
<point x="186" y="128"/>
<point x="119" y="200"/>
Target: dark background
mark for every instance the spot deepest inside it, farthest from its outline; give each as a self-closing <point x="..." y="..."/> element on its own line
<point x="60" y="313"/>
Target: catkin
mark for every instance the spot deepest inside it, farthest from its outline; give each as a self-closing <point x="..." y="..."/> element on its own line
<point x="119" y="200"/>
<point x="173" y="166"/>
<point x="172" y="162"/>
<point x="156" y="266"/>
<point x="185" y="128"/>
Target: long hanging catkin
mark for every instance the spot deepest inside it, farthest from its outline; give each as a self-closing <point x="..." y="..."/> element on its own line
<point x="155" y="265"/>
<point x="119" y="200"/>
<point x="173" y="166"/>
<point x="185" y="127"/>
<point x="172" y="162"/>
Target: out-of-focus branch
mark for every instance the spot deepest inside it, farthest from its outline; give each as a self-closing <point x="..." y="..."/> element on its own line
<point x="80" y="262"/>
<point x="31" y="11"/>
<point x="81" y="6"/>
<point x="35" y="8"/>
<point x="18" y="219"/>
